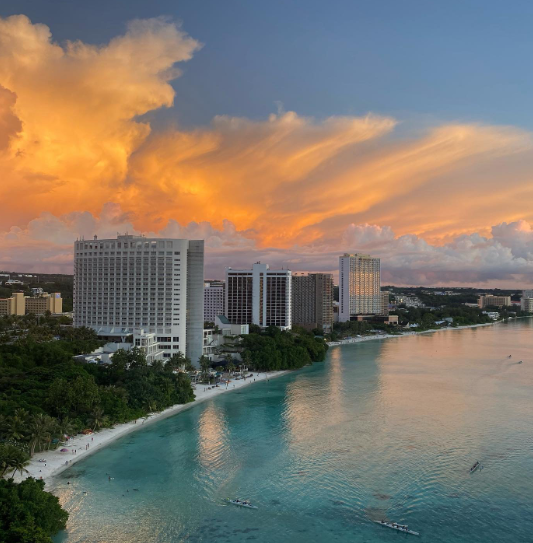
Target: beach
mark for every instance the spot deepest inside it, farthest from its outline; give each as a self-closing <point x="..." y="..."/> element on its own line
<point x="54" y="461"/>
<point x="47" y="464"/>
<point x="405" y="334"/>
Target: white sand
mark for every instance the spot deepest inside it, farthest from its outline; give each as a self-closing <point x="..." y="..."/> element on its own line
<point x="404" y="334"/>
<point x="56" y="461"/>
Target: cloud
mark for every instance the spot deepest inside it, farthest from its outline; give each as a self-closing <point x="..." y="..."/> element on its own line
<point x="290" y="189"/>
<point x="10" y="124"/>
<point x="45" y="243"/>
<point x="78" y="106"/>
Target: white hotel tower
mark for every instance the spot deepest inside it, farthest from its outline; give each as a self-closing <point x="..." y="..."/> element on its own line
<point x="133" y="282"/>
<point x="359" y="286"/>
<point x="259" y="296"/>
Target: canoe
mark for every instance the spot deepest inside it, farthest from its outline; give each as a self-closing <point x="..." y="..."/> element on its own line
<point x="242" y="503"/>
<point x="400" y="527"/>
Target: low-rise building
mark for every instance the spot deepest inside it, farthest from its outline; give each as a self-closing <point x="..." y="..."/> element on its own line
<point x="18" y="304"/>
<point x="224" y="338"/>
<point x="381" y="319"/>
<point x="145" y="342"/>
<point x="44" y="302"/>
<point x="11" y="282"/>
<point x="488" y="300"/>
<point x="408" y="301"/>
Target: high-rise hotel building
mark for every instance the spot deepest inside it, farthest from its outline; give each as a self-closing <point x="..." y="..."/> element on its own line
<point x="312" y="300"/>
<point x="359" y="286"/>
<point x="156" y="284"/>
<point x="214" y="300"/>
<point x="259" y="296"/>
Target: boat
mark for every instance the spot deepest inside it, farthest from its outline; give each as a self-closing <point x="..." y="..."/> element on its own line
<point x="241" y="503"/>
<point x="400" y="527"/>
<point x="519" y="362"/>
<point x="474" y="467"/>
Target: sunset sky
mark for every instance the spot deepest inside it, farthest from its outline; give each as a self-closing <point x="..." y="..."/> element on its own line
<point x="282" y="131"/>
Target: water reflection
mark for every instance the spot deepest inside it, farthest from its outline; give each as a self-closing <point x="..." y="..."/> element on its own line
<point x="323" y="409"/>
<point x="212" y="438"/>
<point x="383" y="429"/>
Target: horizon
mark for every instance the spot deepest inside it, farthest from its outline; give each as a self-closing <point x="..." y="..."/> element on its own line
<point x="383" y="286"/>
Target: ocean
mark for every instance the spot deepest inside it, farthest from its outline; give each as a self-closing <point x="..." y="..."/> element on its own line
<point x="384" y="429"/>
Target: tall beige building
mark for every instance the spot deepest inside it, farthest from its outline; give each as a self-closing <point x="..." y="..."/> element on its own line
<point x="312" y="300"/>
<point x="359" y="286"/>
<point x="496" y="301"/>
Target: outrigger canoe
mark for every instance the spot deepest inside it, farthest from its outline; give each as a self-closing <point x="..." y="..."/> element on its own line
<point x="400" y="527"/>
<point x="241" y="503"/>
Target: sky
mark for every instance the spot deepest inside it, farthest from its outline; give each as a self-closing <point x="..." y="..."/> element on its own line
<point x="285" y="131"/>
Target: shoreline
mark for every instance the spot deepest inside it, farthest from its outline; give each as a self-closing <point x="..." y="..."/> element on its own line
<point x="406" y="334"/>
<point x="55" y="462"/>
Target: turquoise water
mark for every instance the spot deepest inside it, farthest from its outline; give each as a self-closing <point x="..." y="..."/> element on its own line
<point x="383" y="429"/>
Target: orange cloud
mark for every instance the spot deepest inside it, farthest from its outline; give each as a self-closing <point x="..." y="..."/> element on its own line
<point x="71" y="140"/>
<point x="78" y="105"/>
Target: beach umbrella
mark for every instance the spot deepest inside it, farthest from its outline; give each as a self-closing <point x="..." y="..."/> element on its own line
<point x="63" y="450"/>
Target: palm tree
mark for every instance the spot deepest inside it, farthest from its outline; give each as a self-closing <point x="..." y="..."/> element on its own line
<point x="205" y="365"/>
<point x="39" y="433"/>
<point x="12" y="458"/>
<point x="247" y="358"/>
<point x="53" y="430"/>
<point x="19" y="464"/>
<point x="65" y="427"/>
<point x="97" y="417"/>
<point x="17" y="424"/>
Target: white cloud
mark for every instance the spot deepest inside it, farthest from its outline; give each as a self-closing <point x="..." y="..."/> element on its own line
<point x="45" y="243"/>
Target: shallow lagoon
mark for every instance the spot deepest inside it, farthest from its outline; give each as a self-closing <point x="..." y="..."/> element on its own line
<point x="383" y="429"/>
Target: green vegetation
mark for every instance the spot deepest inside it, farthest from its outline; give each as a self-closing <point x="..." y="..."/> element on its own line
<point x="462" y="316"/>
<point x="47" y="281"/>
<point x="45" y="394"/>
<point x="28" y="513"/>
<point x="352" y="328"/>
<point x="428" y="296"/>
<point x="438" y="307"/>
<point x="276" y="350"/>
<point x="43" y="328"/>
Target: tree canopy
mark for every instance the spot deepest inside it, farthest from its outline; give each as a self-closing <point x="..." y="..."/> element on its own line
<point x="28" y="514"/>
<point x="276" y="350"/>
